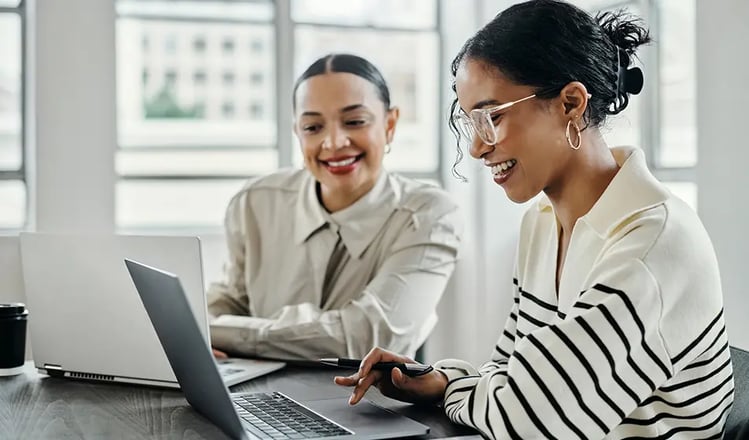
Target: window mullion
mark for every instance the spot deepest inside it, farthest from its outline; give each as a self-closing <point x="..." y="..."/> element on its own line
<point x="284" y="29"/>
<point x="23" y="108"/>
<point x="650" y="114"/>
<point x="442" y="79"/>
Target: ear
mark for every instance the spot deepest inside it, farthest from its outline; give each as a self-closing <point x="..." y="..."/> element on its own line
<point x="391" y="120"/>
<point x="574" y="98"/>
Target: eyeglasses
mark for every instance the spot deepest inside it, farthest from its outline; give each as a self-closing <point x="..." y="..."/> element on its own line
<point x="479" y="121"/>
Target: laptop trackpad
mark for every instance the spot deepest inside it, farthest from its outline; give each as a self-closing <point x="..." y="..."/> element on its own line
<point x="366" y="418"/>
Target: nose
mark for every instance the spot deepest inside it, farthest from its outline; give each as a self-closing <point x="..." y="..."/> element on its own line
<point x="335" y="139"/>
<point x="479" y="148"/>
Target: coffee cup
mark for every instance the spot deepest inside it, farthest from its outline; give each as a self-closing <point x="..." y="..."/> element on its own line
<point x="13" y="319"/>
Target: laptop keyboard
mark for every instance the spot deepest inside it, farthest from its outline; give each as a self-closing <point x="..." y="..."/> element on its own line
<point x="273" y="415"/>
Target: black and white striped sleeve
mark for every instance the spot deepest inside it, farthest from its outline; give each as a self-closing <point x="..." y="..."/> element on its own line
<point x="577" y="377"/>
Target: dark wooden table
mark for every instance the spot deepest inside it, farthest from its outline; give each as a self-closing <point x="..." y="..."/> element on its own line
<point x="33" y="406"/>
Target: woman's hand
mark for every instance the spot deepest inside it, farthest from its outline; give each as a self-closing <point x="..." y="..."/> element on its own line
<point x="429" y="388"/>
<point x="218" y="354"/>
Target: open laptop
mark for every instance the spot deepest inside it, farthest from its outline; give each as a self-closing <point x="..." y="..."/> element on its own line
<point x="249" y="415"/>
<point x="85" y="318"/>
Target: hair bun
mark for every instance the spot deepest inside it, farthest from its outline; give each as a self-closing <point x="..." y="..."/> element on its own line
<point x="631" y="80"/>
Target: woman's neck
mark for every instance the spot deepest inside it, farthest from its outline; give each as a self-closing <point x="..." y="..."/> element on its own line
<point x="583" y="182"/>
<point x="338" y="200"/>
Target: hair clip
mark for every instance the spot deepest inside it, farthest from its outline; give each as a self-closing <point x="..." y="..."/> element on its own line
<point x="633" y="80"/>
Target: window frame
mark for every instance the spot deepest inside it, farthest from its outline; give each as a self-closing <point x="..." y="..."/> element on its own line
<point x="20" y="174"/>
<point x="650" y="112"/>
<point x="664" y="173"/>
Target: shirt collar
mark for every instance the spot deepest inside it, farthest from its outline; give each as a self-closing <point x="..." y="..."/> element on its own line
<point x="308" y="215"/>
<point x="633" y="189"/>
<point x="357" y="224"/>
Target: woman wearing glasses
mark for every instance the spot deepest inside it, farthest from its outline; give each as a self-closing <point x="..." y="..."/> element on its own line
<point x="342" y="255"/>
<point x="617" y="326"/>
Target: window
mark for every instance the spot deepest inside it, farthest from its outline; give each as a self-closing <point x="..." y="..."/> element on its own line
<point x="256" y="110"/>
<point x="663" y="118"/>
<point x="256" y="45"/>
<point x="228" y="46"/>
<point x="678" y="137"/>
<point x="170" y="78"/>
<point x="13" y="199"/>
<point x="674" y="156"/>
<point x="198" y="44"/>
<point x="228" y="110"/>
<point x="184" y="150"/>
<point x="170" y="45"/>
<point x="199" y="77"/>
<point x="256" y="78"/>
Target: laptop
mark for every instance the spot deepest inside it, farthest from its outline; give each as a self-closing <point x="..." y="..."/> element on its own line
<point x="250" y="415"/>
<point x="85" y="318"/>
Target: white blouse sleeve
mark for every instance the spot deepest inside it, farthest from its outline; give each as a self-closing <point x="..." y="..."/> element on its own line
<point x="389" y="312"/>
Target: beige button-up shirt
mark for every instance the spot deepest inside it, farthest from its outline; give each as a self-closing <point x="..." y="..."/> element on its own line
<point x="401" y="242"/>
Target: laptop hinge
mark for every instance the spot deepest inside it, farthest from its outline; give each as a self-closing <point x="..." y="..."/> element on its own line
<point x="54" y="370"/>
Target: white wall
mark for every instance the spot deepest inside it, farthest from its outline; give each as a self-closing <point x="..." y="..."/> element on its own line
<point x="71" y="125"/>
<point x="479" y="298"/>
<point x="72" y="78"/>
<point x="723" y="150"/>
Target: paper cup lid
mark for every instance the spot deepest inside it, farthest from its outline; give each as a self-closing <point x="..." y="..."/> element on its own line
<point x="13" y="309"/>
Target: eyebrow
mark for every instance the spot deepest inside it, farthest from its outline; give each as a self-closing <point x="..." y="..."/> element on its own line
<point x="486" y="102"/>
<point x="348" y="108"/>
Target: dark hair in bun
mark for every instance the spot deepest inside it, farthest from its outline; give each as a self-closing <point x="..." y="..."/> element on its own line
<point x="547" y="44"/>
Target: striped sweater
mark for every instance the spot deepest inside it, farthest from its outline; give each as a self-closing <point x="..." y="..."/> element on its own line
<point x="634" y="344"/>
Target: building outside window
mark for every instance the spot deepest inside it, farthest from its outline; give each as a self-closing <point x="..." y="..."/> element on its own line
<point x="180" y="144"/>
<point x="13" y="189"/>
<point x="183" y="144"/>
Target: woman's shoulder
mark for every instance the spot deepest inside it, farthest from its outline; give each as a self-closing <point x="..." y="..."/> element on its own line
<point x="680" y="240"/>
<point x="670" y="230"/>
<point x="673" y="246"/>
<point x="287" y="179"/>
<point x="270" y="188"/>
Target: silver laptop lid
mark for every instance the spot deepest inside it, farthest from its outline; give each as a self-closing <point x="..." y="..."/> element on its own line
<point x="199" y="378"/>
<point x="191" y="360"/>
<point x="85" y="315"/>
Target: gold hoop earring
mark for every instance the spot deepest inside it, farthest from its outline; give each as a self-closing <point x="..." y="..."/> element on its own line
<point x="387" y="148"/>
<point x="569" y="138"/>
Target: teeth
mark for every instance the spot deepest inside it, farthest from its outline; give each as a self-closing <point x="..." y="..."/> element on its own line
<point x="503" y="166"/>
<point x="342" y="163"/>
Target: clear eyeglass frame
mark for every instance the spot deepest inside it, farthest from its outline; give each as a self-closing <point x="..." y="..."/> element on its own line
<point x="479" y="121"/>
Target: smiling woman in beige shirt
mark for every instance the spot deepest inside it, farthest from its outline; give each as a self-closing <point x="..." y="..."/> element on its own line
<point x="342" y="255"/>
